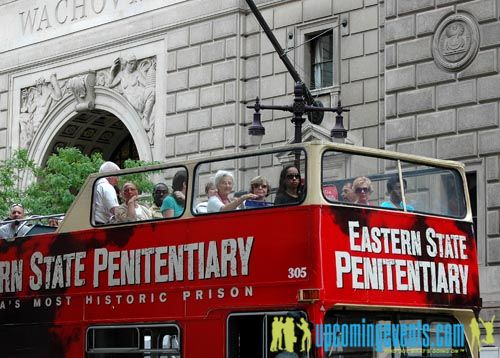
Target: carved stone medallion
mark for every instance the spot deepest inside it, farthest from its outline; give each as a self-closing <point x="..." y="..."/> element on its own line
<point x="456" y="42"/>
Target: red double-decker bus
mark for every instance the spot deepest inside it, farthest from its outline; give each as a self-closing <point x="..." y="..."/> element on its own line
<point x="374" y="244"/>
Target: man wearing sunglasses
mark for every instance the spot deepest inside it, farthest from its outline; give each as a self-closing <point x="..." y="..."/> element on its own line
<point x="14" y="228"/>
<point x="160" y="191"/>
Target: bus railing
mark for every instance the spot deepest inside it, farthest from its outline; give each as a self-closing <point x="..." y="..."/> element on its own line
<point x="35" y="224"/>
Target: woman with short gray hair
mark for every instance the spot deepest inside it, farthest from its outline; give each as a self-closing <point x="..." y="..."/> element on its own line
<point x="260" y="187"/>
<point x="220" y="202"/>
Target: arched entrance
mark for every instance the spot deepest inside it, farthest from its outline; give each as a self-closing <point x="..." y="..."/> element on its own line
<point x="113" y="128"/>
<point x="96" y="131"/>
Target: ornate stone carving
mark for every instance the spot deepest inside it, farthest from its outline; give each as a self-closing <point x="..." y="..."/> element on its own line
<point x="35" y="103"/>
<point x="82" y="88"/>
<point x="456" y="42"/>
<point x="135" y="80"/>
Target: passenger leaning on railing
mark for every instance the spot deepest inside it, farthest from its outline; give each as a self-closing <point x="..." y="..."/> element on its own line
<point x="260" y="187"/>
<point x="14" y="228"/>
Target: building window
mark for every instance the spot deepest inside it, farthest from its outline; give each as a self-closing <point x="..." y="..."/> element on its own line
<point x="321" y="60"/>
<point x="317" y="55"/>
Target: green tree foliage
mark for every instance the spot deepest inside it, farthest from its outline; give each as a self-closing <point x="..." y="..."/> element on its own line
<point x="56" y="184"/>
<point x="60" y="180"/>
<point x="11" y="172"/>
<point x="141" y="180"/>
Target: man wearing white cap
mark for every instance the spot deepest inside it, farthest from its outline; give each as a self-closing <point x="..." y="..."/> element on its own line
<point x="105" y="200"/>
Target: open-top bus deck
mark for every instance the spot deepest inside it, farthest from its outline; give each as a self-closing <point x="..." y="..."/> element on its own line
<point x="253" y="281"/>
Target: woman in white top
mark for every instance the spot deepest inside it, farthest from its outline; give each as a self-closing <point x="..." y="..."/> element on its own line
<point x="131" y="210"/>
<point x="221" y="202"/>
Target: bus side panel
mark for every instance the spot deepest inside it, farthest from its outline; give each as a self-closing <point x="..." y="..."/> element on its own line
<point x="204" y="338"/>
<point x="167" y="271"/>
<point x="393" y="258"/>
<point x="42" y="340"/>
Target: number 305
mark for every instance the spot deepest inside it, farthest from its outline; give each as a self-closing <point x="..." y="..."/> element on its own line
<point x="297" y="272"/>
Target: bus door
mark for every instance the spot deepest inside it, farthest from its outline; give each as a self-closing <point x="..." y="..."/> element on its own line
<point x="278" y="334"/>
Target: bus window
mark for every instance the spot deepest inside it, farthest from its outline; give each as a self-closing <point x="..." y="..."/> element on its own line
<point x="370" y="181"/>
<point x="355" y="179"/>
<point x="246" y="336"/>
<point x="436" y="191"/>
<point x="269" y="335"/>
<point x="144" y="341"/>
<point x="391" y="334"/>
<point x="142" y="196"/>
<point x="249" y="182"/>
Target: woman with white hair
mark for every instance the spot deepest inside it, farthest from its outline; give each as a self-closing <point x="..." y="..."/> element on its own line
<point x="221" y="202"/>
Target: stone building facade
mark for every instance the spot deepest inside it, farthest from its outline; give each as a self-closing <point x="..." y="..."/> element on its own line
<point x="442" y="101"/>
<point x="169" y="79"/>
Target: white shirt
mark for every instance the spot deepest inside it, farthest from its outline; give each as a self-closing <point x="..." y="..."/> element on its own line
<point x="104" y="200"/>
<point x="214" y="204"/>
<point x="7" y="231"/>
<point x="201" y="208"/>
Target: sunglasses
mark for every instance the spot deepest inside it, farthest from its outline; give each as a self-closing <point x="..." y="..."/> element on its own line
<point x="14" y="205"/>
<point x="293" y="176"/>
<point x="362" y="190"/>
<point x="263" y="186"/>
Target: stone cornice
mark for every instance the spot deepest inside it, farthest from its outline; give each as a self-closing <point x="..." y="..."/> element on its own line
<point x="139" y="28"/>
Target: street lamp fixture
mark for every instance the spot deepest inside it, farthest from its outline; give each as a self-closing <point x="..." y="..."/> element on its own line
<point x="298" y="108"/>
<point x="256" y="129"/>
<point x="338" y="130"/>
